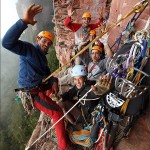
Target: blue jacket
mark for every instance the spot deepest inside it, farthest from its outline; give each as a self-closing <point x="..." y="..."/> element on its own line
<point x="33" y="62"/>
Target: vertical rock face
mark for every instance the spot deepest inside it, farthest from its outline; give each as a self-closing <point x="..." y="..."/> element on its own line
<point x="64" y="36"/>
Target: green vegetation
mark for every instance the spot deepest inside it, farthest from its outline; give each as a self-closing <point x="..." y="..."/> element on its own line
<point x="52" y="60"/>
<point x="16" y="126"/>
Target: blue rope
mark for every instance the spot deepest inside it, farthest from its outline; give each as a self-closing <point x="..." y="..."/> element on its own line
<point x="133" y="20"/>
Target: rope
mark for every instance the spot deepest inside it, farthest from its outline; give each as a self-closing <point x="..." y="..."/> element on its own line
<point x="93" y="99"/>
<point x="59" y="119"/>
<point x="131" y="23"/>
<point x="135" y="8"/>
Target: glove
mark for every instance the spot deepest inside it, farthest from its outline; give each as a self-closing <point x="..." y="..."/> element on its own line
<point x="55" y="98"/>
<point x="102" y="86"/>
<point x="104" y="39"/>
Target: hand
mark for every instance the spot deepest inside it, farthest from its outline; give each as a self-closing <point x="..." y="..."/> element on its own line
<point x="30" y="13"/>
<point x="70" y="11"/>
<point x="55" y="88"/>
<point x="100" y="12"/>
<point x="102" y="28"/>
<point x="104" y="39"/>
<point x="55" y="97"/>
<point x="81" y="44"/>
<point x="102" y="86"/>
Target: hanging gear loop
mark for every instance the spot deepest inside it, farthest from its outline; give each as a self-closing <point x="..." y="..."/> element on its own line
<point x="135" y="8"/>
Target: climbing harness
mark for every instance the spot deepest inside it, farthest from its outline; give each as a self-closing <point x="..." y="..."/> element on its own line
<point x="28" y="147"/>
<point x="91" y="133"/>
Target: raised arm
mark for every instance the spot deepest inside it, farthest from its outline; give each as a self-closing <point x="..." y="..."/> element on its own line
<point x="72" y="26"/>
<point x="107" y="49"/>
<point x="100" y="21"/>
<point x="11" y="39"/>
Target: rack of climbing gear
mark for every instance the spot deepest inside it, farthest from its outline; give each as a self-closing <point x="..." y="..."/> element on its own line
<point x="130" y="86"/>
<point x="27" y="101"/>
<point x="127" y="68"/>
<point x="129" y="29"/>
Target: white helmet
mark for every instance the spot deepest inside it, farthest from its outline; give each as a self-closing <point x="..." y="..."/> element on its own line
<point x="78" y="70"/>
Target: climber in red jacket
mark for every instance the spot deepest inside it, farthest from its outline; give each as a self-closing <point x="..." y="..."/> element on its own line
<point x="81" y="29"/>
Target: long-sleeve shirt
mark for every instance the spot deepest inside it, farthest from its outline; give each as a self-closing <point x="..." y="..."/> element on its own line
<point x="33" y="65"/>
<point x="97" y="69"/>
<point x="75" y="26"/>
<point x="78" y="29"/>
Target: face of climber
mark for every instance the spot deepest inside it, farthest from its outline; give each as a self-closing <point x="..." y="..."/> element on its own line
<point x="95" y="55"/>
<point x="92" y="37"/>
<point x="85" y="22"/>
<point x="79" y="81"/>
<point x="44" y="44"/>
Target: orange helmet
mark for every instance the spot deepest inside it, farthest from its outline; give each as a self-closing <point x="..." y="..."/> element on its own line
<point x="96" y="47"/>
<point x="47" y="35"/>
<point x="93" y="32"/>
<point x="86" y="15"/>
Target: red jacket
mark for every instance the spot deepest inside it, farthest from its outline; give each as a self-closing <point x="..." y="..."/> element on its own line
<point x="75" y="26"/>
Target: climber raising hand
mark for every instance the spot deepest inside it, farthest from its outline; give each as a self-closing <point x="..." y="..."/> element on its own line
<point x="100" y="12"/>
<point x="70" y="10"/>
<point x="30" y="13"/>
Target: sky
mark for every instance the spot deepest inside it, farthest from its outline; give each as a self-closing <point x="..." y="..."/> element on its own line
<point x="8" y="15"/>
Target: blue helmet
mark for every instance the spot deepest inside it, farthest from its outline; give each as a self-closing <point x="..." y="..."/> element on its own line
<point x="78" y="70"/>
